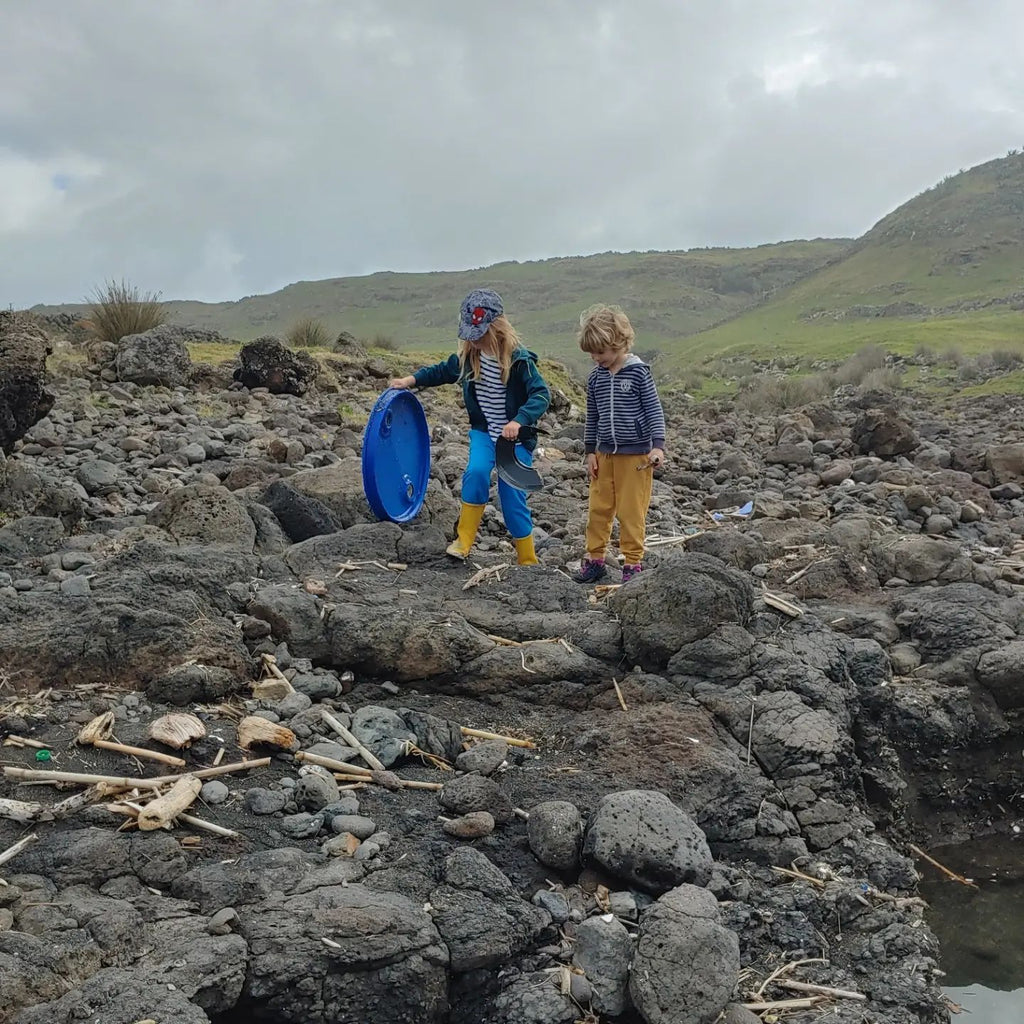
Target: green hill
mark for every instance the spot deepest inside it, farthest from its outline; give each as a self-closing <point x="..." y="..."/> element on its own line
<point x="668" y="295"/>
<point x="944" y="269"/>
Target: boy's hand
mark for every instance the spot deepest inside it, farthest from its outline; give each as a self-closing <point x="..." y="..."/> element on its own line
<point x="402" y="383"/>
<point x="592" y="466"/>
<point x="511" y="430"/>
<point x="656" y="457"/>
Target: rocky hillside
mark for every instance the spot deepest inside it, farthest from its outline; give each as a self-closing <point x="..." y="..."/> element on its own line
<point x="682" y="784"/>
<point x="941" y="270"/>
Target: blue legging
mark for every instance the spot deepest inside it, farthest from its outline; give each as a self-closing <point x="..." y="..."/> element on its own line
<point x="476" y="484"/>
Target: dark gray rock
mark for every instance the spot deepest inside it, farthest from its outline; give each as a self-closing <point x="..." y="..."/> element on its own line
<point x="642" y="837"/>
<point x="686" y="964"/>
<point x="555" y="832"/>
<point x="156" y="357"/>
<point x="603" y="950"/>
<point x="483" y="758"/>
<point x="268" y="363"/>
<point x="476" y="793"/>
<point x="383" y="731"/>
<point x="300" y="515"/>
<point x="24" y="399"/>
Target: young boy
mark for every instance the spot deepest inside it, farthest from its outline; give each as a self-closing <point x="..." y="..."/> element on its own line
<point x="624" y="441"/>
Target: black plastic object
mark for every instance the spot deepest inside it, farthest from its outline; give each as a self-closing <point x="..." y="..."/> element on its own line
<point x="396" y="456"/>
<point x="515" y="473"/>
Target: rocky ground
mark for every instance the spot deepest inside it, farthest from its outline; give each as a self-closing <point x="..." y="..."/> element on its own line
<point x="705" y="784"/>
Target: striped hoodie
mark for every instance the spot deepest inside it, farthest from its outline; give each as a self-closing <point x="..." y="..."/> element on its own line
<point x="624" y="414"/>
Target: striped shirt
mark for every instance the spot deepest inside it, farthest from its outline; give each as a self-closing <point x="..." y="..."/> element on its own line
<point x="624" y="413"/>
<point x="490" y="393"/>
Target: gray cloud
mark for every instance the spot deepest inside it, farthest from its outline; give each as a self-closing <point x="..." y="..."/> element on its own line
<point x="212" y="150"/>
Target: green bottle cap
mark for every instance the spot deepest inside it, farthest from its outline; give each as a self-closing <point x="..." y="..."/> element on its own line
<point x="42" y="755"/>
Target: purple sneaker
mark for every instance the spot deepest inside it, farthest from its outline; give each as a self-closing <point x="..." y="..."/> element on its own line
<point x="631" y="571"/>
<point x="591" y="570"/>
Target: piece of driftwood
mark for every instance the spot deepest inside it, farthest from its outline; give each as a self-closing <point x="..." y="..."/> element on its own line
<point x="951" y="875"/>
<point x="72" y="804"/>
<point x="12" y="851"/>
<point x="161" y="812"/>
<point x="23" y="741"/>
<point x="782" y="605"/>
<point x="618" y="693"/>
<point x="512" y="741"/>
<point x="334" y="765"/>
<point x="148" y="755"/>
<point x="404" y="783"/>
<point x="481" y="574"/>
<point x="255" y="731"/>
<point x="123" y="782"/>
<point x="822" y="990"/>
<point x="366" y="754"/>
<point x="21" y="811"/>
<point x="177" y="730"/>
<point x="97" y="728"/>
<point x="784" y="1004"/>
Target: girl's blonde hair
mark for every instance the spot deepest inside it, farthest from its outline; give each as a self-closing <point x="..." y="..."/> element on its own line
<point x="605" y="327"/>
<point x="504" y="341"/>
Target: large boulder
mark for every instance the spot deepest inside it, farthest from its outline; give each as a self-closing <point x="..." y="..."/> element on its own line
<point x="269" y="363"/>
<point x="156" y="357"/>
<point x="683" y="599"/>
<point x="210" y="516"/>
<point x="24" y="400"/>
<point x="642" y="837"/>
<point x="686" y="964"/>
<point x="884" y="433"/>
<point x="1006" y="463"/>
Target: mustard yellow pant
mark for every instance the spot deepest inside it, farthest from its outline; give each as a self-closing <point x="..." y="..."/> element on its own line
<point x="621" y="491"/>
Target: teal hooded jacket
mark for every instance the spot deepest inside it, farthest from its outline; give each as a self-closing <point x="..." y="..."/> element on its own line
<point x="526" y="394"/>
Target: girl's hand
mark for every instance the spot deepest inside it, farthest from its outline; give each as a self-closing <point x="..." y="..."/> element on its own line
<point x="511" y="430"/>
<point x="402" y="383"/>
<point x="656" y="457"/>
<point x="592" y="466"/>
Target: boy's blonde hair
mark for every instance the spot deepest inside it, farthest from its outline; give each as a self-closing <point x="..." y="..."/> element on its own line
<point x="505" y="340"/>
<point x="605" y="327"/>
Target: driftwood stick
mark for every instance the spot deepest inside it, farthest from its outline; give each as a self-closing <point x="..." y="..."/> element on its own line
<point x="73" y="804"/>
<point x="951" y="875"/>
<point x="21" y="811"/>
<point x="824" y="990"/>
<point x="123" y="782"/>
<point x="12" y="851"/>
<point x="161" y="812"/>
<point x="151" y="755"/>
<point x="781" y="604"/>
<point x="785" y="968"/>
<point x="480" y="734"/>
<point x="785" y="1004"/>
<point x="367" y="755"/>
<point x="330" y="762"/>
<point x="618" y="693"/>
<point x="360" y="780"/>
<point x="208" y="826"/>
<point x="24" y="741"/>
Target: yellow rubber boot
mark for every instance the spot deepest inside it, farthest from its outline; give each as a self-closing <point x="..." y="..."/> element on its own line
<point x="525" y="550"/>
<point x="469" y="523"/>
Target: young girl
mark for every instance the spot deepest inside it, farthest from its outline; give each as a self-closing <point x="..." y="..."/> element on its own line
<point x="503" y="392"/>
<point x="624" y="440"/>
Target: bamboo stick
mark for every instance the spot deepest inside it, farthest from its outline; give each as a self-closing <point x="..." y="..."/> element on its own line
<point x="367" y="755"/>
<point x="162" y="811"/>
<point x="12" y="851"/>
<point x="618" y="693"/>
<point x="406" y="783"/>
<point x="24" y="741"/>
<point x="330" y="762"/>
<point x="208" y="826"/>
<point x="124" y="782"/>
<point x="951" y="875"/>
<point x="784" y="1004"/>
<point x="824" y="990"/>
<point x="480" y="734"/>
<point x="151" y="755"/>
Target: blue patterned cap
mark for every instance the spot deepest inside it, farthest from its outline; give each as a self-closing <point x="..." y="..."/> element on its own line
<point x="479" y="308"/>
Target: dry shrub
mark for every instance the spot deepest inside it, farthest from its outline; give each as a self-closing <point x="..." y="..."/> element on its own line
<point x="860" y="364"/>
<point x="118" y="310"/>
<point x="309" y="332"/>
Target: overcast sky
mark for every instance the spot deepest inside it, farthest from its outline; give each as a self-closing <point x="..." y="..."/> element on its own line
<point x="212" y="149"/>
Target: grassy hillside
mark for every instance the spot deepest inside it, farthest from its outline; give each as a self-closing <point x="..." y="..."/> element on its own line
<point x="945" y="269"/>
<point x="668" y="295"/>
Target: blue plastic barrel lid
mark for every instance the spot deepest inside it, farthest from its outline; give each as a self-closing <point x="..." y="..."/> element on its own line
<point x="396" y="456"/>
